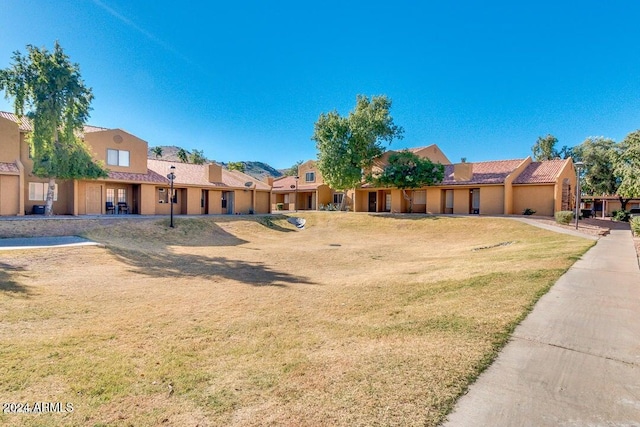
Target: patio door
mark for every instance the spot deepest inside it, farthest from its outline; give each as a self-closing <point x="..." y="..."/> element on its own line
<point x="372" y="201"/>
<point x="474" y="201"/>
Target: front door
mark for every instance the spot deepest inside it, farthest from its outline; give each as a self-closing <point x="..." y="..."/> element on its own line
<point x="93" y="200"/>
<point x="474" y="201"/>
<point x="372" y="201"/>
<point x="204" y="202"/>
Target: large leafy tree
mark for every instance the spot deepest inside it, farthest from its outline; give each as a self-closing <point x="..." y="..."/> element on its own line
<point x="348" y="145"/>
<point x="293" y="170"/>
<point x="611" y="168"/>
<point x="406" y="170"/>
<point x="626" y="166"/>
<point x="236" y="166"/>
<point x="48" y="89"/>
<point x="545" y="149"/>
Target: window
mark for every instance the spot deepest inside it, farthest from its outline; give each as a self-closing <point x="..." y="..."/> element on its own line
<point x="163" y="195"/>
<point x="337" y="198"/>
<point x="420" y="197"/>
<point x="117" y="157"/>
<point x="122" y="195"/>
<point x="111" y="195"/>
<point x="310" y="177"/>
<point x="286" y="198"/>
<point x="38" y="191"/>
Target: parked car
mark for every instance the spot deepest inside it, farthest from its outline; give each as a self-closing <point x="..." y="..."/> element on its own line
<point x="634" y="212"/>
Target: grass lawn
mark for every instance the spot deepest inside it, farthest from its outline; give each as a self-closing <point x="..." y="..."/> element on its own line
<point x="357" y="320"/>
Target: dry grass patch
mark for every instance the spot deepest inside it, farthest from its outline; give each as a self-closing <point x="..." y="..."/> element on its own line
<point x="357" y="320"/>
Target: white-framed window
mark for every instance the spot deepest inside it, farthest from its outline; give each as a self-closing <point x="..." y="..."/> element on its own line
<point x="337" y="198"/>
<point x="117" y="157"/>
<point x="310" y="177"/>
<point x="38" y="191"/>
<point x="286" y="198"/>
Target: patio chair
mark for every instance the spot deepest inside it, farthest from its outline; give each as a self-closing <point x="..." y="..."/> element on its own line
<point x="123" y="207"/>
<point x="110" y="208"/>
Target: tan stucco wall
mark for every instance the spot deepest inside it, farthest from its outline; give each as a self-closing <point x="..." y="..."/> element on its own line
<point x="309" y="166"/>
<point x="460" y="200"/>
<point x="567" y="172"/>
<point x="9" y="195"/>
<point x="242" y="203"/>
<point x="99" y="142"/>
<point x="536" y="197"/>
<point x="434" y="154"/>
<point x="148" y="199"/>
<point x="60" y="206"/>
<point x="215" y="202"/>
<point x="492" y="200"/>
<point x="262" y="202"/>
<point x="325" y="195"/>
<point x="9" y="141"/>
<point x="508" y="186"/>
<point x="434" y="200"/>
<point x="193" y="197"/>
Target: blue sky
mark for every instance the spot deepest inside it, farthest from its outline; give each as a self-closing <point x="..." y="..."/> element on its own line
<point x="246" y="80"/>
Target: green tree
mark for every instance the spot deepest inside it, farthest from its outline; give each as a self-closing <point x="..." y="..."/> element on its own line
<point x="157" y="151"/>
<point x="348" y="145"/>
<point x="236" y="166"/>
<point x="408" y="171"/>
<point x="197" y="157"/>
<point x="611" y="168"/>
<point x="293" y="170"/>
<point x="183" y="156"/>
<point x="49" y="88"/>
<point x="545" y="149"/>
<point x="626" y="166"/>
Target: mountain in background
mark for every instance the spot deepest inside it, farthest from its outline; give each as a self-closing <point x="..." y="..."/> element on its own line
<point x="258" y="170"/>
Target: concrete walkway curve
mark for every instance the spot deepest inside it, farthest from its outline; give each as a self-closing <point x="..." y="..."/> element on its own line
<point x="575" y="360"/>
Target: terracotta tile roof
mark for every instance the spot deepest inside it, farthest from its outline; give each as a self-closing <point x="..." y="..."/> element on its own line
<point x="493" y="172"/>
<point x="25" y="124"/>
<point x="283" y="185"/>
<point x="150" y="176"/>
<point x="197" y="175"/>
<point x="541" y="172"/>
<point x="9" y="169"/>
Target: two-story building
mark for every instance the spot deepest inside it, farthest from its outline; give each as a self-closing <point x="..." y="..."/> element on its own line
<point x="135" y="184"/>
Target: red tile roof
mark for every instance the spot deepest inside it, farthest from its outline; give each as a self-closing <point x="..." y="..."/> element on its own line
<point x="283" y="185"/>
<point x="541" y="172"/>
<point x="197" y="175"/>
<point x="26" y="125"/>
<point x="494" y="172"/>
<point x="9" y="169"/>
<point x="150" y="176"/>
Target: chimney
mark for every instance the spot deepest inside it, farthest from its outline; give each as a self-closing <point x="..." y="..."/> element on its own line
<point x="269" y="180"/>
<point x="215" y="172"/>
<point x="462" y="171"/>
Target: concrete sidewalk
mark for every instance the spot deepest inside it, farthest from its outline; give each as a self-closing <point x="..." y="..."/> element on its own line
<point x="17" y="243"/>
<point x="575" y="360"/>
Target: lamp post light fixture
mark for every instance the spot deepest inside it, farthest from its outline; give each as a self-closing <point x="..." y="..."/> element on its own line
<point x="579" y="166"/>
<point x="171" y="177"/>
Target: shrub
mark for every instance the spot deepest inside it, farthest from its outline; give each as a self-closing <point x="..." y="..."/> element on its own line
<point x="635" y="225"/>
<point x="528" y="211"/>
<point x="279" y="206"/>
<point x="621" y="216"/>
<point x="564" y="217"/>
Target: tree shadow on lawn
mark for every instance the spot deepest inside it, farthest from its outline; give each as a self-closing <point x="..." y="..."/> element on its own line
<point x="167" y="264"/>
<point x="412" y="216"/>
<point x="7" y="282"/>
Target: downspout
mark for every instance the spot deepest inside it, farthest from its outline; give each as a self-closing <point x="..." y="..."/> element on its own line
<point x="20" y="187"/>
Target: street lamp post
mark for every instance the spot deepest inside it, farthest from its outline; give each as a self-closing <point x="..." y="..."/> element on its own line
<point x="296" y="205"/>
<point x="579" y="166"/>
<point x="171" y="177"/>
